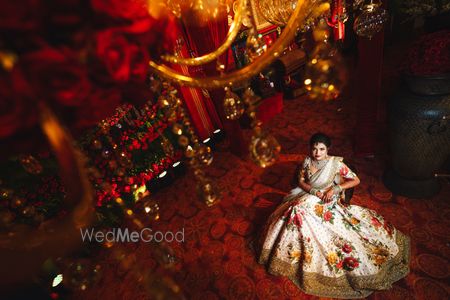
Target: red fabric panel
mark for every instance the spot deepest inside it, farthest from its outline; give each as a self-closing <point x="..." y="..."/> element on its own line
<point x="368" y="93"/>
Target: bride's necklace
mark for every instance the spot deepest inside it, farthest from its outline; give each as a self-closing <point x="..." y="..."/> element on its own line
<point x="319" y="164"/>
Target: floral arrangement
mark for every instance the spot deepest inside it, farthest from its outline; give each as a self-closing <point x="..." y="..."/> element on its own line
<point x="429" y="55"/>
<point x="84" y="58"/>
<point x="125" y="152"/>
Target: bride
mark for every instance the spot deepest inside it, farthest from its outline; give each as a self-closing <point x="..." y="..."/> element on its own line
<point x="326" y="247"/>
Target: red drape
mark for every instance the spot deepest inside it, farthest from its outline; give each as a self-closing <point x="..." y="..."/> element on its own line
<point x="198" y="102"/>
<point x="205" y="39"/>
<point x="368" y="93"/>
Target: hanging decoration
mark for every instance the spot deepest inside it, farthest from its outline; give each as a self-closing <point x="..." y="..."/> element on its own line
<point x="264" y="148"/>
<point x="324" y="71"/>
<point x="196" y="153"/>
<point x="232" y="105"/>
<point x="371" y="20"/>
<point x="303" y="10"/>
<point x="276" y="11"/>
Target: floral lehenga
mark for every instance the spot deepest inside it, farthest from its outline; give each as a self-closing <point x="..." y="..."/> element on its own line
<point x="332" y="249"/>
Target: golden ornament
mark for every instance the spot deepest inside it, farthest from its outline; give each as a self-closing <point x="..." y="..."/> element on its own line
<point x="325" y="72"/>
<point x="371" y="20"/>
<point x="203" y="154"/>
<point x="232" y="105"/>
<point x="189" y="152"/>
<point x="177" y="129"/>
<point x="148" y="209"/>
<point x="5" y="193"/>
<point x="168" y="101"/>
<point x="264" y="149"/>
<point x="208" y="192"/>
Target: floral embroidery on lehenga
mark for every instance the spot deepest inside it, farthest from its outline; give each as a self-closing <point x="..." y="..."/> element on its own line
<point x="332" y="250"/>
<point x="298" y="255"/>
<point x="342" y="257"/>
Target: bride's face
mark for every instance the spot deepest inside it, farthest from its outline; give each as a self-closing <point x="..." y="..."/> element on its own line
<point x="319" y="151"/>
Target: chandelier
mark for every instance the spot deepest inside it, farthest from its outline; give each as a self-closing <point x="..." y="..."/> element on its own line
<point x="294" y="15"/>
<point x="304" y="9"/>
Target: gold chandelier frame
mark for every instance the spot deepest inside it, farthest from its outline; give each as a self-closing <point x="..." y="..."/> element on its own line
<point x="303" y="10"/>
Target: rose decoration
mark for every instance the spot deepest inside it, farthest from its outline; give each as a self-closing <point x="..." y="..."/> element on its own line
<point x="350" y="263"/>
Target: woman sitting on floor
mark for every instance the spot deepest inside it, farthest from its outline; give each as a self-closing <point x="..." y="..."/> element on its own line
<point x="326" y="247"/>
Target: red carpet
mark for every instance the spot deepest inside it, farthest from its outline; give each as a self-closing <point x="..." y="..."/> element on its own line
<point x="217" y="260"/>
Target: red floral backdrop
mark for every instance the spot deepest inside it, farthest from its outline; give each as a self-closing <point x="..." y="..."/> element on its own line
<point x="84" y="58"/>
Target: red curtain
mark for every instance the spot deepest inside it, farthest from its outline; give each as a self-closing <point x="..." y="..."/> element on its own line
<point x="205" y="39"/>
<point x="197" y="101"/>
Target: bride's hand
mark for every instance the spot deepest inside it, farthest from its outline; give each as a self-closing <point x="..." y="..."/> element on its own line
<point x="319" y="194"/>
<point x="328" y="195"/>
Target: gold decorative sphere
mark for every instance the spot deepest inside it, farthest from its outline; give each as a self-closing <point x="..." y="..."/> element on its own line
<point x="276" y="11"/>
<point x="264" y="149"/>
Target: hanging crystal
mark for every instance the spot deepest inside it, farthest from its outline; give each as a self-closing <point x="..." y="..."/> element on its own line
<point x="232" y="105"/>
<point x="371" y="20"/>
<point x="276" y="11"/>
<point x="324" y="71"/>
<point x="264" y="148"/>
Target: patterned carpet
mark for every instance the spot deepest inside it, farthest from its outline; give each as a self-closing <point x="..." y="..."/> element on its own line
<point x="217" y="260"/>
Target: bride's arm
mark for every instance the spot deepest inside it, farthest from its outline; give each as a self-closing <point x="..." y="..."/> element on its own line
<point x="350" y="180"/>
<point x="349" y="177"/>
<point x="349" y="183"/>
<point x="306" y="186"/>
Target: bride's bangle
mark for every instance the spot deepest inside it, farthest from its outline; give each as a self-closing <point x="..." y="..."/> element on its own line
<point x="337" y="189"/>
<point x="313" y="191"/>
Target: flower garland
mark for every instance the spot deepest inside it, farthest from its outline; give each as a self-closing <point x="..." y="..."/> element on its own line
<point x="125" y="152"/>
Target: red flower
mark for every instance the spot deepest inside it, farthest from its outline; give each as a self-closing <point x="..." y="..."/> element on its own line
<point x="376" y="222"/>
<point x="297" y="220"/>
<point x="327" y="216"/>
<point x="339" y="264"/>
<point x="429" y="54"/>
<point x="115" y="51"/>
<point x="350" y="263"/>
<point x="343" y="171"/>
<point x="389" y="228"/>
<point x="287" y="212"/>
<point x="347" y="248"/>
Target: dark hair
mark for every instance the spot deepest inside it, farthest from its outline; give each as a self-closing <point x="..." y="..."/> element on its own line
<point x="320" y="137"/>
